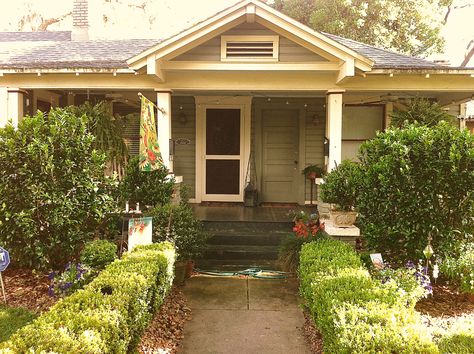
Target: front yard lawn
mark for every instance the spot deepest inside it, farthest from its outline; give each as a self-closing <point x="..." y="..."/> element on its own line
<point x="11" y="319"/>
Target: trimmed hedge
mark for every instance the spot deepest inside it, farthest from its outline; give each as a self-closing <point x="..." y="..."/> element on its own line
<point x="355" y="313"/>
<point x="108" y="315"/>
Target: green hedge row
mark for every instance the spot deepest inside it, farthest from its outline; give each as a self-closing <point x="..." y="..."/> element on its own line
<point x="108" y="315"/>
<point x="355" y="313"/>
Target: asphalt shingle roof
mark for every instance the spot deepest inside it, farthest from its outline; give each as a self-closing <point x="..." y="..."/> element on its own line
<point x="35" y="36"/>
<point x="385" y="59"/>
<point x="55" y="50"/>
<point x="94" y="54"/>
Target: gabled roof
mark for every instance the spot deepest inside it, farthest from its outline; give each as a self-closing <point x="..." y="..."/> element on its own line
<point x="55" y="50"/>
<point x="97" y="54"/>
<point x="385" y="59"/>
<point x="35" y="36"/>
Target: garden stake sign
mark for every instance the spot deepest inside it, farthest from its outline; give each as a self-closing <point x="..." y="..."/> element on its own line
<point x="139" y="232"/>
<point x="150" y="155"/>
<point x="4" y="262"/>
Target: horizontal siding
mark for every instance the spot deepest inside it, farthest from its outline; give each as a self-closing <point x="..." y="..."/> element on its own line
<point x="211" y="50"/>
<point x="185" y="155"/>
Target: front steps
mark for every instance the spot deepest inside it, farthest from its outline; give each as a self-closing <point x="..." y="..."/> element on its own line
<point x="237" y="245"/>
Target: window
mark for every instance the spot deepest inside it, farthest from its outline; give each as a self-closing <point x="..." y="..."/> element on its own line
<point x="249" y="48"/>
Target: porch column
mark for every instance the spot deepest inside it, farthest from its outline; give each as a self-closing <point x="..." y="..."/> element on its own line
<point x="11" y="106"/>
<point x="164" y="126"/>
<point x="334" y="127"/>
<point x="3" y="106"/>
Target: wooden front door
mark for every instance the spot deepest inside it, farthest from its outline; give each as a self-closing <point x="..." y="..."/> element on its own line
<point x="280" y="154"/>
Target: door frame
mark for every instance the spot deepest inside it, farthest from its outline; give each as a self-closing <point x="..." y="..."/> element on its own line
<point x="301" y="143"/>
<point x="244" y="103"/>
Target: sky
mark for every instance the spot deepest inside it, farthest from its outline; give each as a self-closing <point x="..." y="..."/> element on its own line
<point x="163" y="18"/>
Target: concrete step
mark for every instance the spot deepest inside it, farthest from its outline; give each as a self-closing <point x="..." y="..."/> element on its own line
<point x="247" y="227"/>
<point x="224" y="252"/>
<point x="246" y="238"/>
<point x="237" y="264"/>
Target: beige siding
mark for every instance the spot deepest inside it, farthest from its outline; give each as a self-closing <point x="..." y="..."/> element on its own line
<point x="211" y="50"/>
<point x="185" y="155"/>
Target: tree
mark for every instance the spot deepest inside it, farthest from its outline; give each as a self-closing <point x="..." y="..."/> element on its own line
<point x="53" y="191"/>
<point x="422" y="111"/>
<point x="417" y="181"/>
<point x="407" y="26"/>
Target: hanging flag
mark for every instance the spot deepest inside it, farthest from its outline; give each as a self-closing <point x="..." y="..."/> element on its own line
<point x="150" y="156"/>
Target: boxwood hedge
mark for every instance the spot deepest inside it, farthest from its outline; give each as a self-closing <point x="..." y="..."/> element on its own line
<point x="355" y="313"/>
<point x="109" y="314"/>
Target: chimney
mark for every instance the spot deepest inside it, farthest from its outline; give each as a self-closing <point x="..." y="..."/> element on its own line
<point x="80" y="20"/>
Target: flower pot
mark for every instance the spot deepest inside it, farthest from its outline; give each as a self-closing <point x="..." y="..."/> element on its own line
<point x="189" y="269"/>
<point x="179" y="273"/>
<point x="312" y="175"/>
<point x="342" y="218"/>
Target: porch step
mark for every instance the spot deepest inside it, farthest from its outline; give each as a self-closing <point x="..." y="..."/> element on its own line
<point x="251" y="239"/>
<point x="236" y="264"/>
<point x="242" y="252"/>
<point x="239" y="245"/>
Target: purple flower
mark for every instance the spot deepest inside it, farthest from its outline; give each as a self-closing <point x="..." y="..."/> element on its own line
<point x="51" y="290"/>
<point x="51" y="275"/>
<point x="410" y="265"/>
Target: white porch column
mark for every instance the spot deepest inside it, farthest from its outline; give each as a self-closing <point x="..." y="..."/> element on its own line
<point x="164" y="126"/>
<point x="334" y="127"/>
<point x="3" y="106"/>
<point x="11" y="105"/>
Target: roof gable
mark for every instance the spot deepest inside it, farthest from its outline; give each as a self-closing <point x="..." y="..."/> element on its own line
<point x="345" y="60"/>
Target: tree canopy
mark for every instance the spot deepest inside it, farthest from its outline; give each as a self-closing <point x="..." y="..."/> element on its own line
<point x="407" y="26"/>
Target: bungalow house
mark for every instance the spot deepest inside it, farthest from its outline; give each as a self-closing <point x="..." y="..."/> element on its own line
<point x="246" y="83"/>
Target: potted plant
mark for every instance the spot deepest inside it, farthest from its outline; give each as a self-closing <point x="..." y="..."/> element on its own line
<point x="313" y="171"/>
<point x="177" y="224"/>
<point x="307" y="228"/>
<point x="340" y="189"/>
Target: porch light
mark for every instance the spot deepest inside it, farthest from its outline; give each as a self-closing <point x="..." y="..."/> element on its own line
<point x="390" y="75"/>
<point x="77" y="73"/>
<point x="427" y="76"/>
<point x="39" y="74"/>
<point x="115" y="73"/>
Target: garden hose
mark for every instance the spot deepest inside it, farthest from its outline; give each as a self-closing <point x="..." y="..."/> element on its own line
<point x="251" y="272"/>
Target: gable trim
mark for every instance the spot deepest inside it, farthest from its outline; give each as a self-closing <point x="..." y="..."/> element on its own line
<point x="254" y="11"/>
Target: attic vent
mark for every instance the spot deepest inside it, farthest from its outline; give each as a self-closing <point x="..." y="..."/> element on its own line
<point x="249" y="48"/>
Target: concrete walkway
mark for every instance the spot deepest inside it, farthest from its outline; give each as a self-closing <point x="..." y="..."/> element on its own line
<point x="240" y="315"/>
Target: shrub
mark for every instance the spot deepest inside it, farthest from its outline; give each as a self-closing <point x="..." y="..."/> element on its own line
<point x="147" y="188"/>
<point x="341" y="185"/>
<point x="185" y="231"/>
<point x="110" y="314"/>
<point x="422" y="111"/>
<point x="417" y="181"/>
<point x="98" y="253"/>
<point x="53" y="192"/>
<point x="355" y="313"/>
<point x="461" y="268"/>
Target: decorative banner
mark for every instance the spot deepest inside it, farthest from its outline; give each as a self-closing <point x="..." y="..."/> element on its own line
<point x="150" y="155"/>
<point x="139" y="232"/>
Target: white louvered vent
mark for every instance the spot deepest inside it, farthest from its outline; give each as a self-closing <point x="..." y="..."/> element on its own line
<point x="249" y="48"/>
